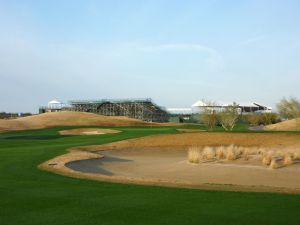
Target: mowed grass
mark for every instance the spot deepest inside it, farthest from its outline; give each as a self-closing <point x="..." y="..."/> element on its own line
<point x="31" y="196"/>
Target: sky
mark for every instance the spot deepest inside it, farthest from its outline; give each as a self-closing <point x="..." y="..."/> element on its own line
<point x="175" y="52"/>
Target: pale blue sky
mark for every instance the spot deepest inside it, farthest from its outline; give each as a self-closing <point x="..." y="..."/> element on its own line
<point x="174" y="52"/>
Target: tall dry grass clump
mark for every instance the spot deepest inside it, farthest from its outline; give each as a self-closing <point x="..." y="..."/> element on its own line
<point x="231" y="153"/>
<point x="296" y="155"/>
<point x="240" y="150"/>
<point x="209" y="153"/>
<point x="221" y="152"/>
<point x="194" y="154"/>
<point x="274" y="163"/>
<point x="267" y="158"/>
<point x="288" y="159"/>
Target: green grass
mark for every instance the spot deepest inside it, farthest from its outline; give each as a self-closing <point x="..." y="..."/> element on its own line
<point x="29" y="196"/>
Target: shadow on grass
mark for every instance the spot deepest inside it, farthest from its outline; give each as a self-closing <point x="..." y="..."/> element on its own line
<point x="34" y="137"/>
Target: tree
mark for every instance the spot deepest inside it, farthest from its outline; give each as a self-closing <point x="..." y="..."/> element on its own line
<point x="229" y="116"/>
<point x="289" y="108"/>
<point x="209" y="116"/>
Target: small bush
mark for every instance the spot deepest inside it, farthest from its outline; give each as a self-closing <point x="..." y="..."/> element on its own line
<point x="194" y="154"/>
<point x="288" y="160"/>
<point x="296" y="155"/>
<point x="221" y="152"/>
<point x="231" y="153"/>
<point x="209" y="153"/>
<point x="274" y="163"/>
<point x="267" y="158"/>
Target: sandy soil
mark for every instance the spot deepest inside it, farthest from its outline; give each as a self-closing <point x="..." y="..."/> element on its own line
<point x="171" y="166"/>
<point x="88" y="131"/>
<point x="68" y="119"/>
<point x="289" y="125"/>
<point x="162" y="160"/>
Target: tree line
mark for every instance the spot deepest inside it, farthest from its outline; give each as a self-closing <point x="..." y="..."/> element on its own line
<point x="229" y="116"/>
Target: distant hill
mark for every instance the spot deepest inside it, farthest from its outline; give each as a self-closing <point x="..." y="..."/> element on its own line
<point x="288" y="125"/>
<point x="67" y="119"/>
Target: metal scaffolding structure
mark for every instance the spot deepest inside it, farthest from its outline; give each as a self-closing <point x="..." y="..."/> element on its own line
<point x="143" y="109"/>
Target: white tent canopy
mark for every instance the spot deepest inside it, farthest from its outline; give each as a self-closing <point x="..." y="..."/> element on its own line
<point x="55" y="104"/>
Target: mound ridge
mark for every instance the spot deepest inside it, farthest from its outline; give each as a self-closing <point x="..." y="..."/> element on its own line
<point x="288" y="125"/>
<point x="67" y="119"/>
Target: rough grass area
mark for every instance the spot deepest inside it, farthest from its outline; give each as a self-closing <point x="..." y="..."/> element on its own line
<point x="29" y="196"/>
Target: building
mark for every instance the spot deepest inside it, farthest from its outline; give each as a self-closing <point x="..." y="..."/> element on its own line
<point x="53" y="106"/>
<point x="254" y="107"/>
<point x="192" y="114"/>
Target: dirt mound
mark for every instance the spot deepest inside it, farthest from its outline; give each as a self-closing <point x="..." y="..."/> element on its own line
<point x="67" y="119"/>
<point x="88" y="131"/>
<point x="289" y="125"/>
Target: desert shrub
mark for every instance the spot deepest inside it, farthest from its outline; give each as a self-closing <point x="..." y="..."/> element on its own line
<point x="209" y="153"/>
<point x="296" y="155"/>
<point x="261" y="118"/>
<point x="252" y="119"/>
<point x="231" y="153"/>
<point x="194" y="154"/>
<point x="267" y="158"/>
<point x="288" y="159"/>
<point x="229" y="117"/>
<point x="269" y="118"/>
<point x="221" y="152"/>
<point x="274" y="163"/>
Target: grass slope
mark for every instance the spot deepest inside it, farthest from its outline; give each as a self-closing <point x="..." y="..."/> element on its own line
<point x="29" y="196"/>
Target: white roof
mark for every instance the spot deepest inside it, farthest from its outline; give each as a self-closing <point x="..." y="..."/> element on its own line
<point x="199" y="104"/>
<point x="54" y="102"/>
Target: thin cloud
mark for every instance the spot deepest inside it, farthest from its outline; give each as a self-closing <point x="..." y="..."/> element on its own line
<point x="250" y="41"/>
<point x="214" y="58"/>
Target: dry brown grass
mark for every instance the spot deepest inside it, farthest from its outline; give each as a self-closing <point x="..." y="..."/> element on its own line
<point x="291" y="125"/>
<point x="221" y="152"/>
<point x="231" y="153"/>
<point x="274" y="163"/>
<point x="296" y="155"/>
<point x="267" y="158"/>
<point x="288" y="159"/>
<point x="194" y="154"/>
<point x="68" y="119"/>
<point x="209" y="153"/>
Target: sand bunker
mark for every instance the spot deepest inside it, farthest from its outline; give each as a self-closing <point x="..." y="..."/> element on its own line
<point x="171" y="166"/>
<point x="162" y="160"/>
<point x="88" y="131"/>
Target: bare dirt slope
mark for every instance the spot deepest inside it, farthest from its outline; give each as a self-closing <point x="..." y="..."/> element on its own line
<point x="67" y="119"/>
<point x="289" y="125"/>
